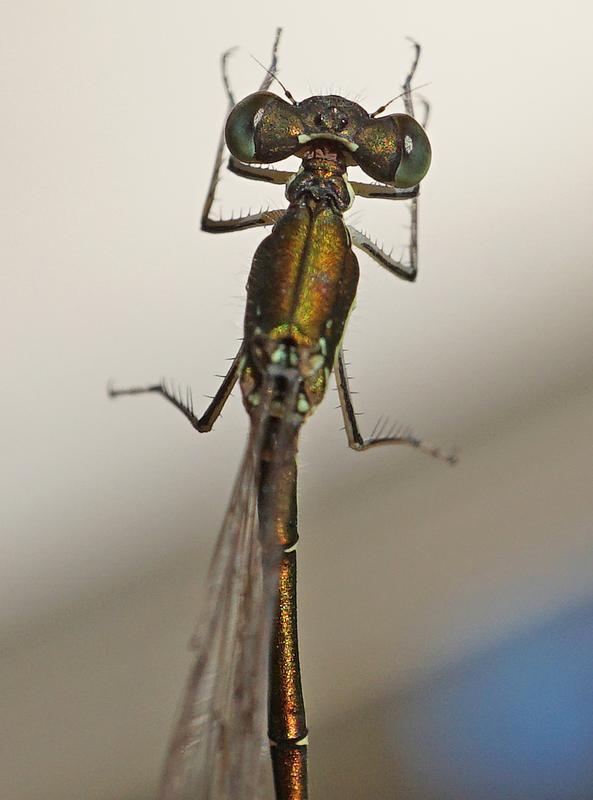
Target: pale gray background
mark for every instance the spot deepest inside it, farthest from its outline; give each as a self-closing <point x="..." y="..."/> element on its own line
<point x="416" y="580"/>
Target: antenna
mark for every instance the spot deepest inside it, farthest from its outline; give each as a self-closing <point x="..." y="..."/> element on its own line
<point x="381" y="109"/>
<point x="277" y="79"/>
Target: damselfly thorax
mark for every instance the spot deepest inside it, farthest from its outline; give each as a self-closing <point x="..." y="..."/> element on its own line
<point x="302" y="282"/>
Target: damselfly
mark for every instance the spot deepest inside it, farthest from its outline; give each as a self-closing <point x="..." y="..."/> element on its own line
<point x="301" y="288"/>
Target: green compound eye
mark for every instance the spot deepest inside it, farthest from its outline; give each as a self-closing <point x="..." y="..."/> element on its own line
<point x="416" y="152"/>
<point x="263" y="128"/>
<point x="394" y="150"/>
<point x="240" y="127"/>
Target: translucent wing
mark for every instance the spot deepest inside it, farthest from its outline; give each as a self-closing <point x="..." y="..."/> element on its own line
<point x="220" y="736"/>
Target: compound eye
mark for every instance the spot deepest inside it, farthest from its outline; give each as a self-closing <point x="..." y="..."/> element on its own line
<point x="263" y="128"/>
<point x="394" y="150"/>
<point x="240" y="126"/>
<point x="416" y="152"/>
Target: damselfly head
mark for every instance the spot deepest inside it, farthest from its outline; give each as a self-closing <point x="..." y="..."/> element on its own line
<point x="263" y="128"/>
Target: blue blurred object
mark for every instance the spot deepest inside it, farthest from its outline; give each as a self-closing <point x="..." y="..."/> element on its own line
<point x="515" y="723"/>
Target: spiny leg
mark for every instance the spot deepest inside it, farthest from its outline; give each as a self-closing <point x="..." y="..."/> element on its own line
<point x="379" y="435"/>
<point x="406" y="271"/>
<point x="426" y="113"/>
<point x="251" y="171"/>
<point x="208" y="223"/>
<point x="407" y="84"/>
<point x="407" y="87"/>
<point x="256" y="173"/>
<point x="409" y="106"/>
<point x="260" y="219"/>
<point x="381" y="191"/>
<point x="204" y="423"/>
<point x="359" y="239"/>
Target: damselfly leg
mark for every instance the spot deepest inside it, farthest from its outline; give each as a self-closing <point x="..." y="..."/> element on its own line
<point x="359" y="239"/>
<point x="204" y="423"/>
<point x="383" y="433"/>
<point x="264" y="217"/>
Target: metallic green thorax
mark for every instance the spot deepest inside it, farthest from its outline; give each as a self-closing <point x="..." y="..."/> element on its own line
<point x="303" y="282"/>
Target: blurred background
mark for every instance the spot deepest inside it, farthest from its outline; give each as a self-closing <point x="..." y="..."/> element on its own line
<point x="446" y="613"/>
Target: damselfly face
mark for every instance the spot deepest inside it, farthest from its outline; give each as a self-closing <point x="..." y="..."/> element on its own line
<point x="394" y="149"/>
